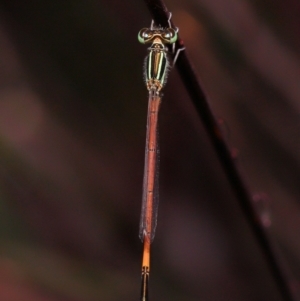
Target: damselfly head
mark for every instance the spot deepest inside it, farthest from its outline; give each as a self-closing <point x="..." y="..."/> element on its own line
<point x="166" y="35"/>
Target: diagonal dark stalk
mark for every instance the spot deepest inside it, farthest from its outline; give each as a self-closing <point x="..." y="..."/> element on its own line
<point x="160" y="15"/>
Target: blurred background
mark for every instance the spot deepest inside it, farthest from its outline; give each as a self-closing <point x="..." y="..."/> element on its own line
<point x="72" y="135"/>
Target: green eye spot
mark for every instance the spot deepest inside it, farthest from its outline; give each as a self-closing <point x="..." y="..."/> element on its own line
<point x="174" y="38"/>
<point x="145" y="35"/>
<point x="169" y="36"/>
<point x="141" y="36"/>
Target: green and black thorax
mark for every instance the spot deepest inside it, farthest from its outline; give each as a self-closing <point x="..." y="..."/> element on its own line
<point x="157" y="62"/>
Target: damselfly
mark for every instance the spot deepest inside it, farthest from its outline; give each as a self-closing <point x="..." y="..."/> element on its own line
<point x="156" y="70"/>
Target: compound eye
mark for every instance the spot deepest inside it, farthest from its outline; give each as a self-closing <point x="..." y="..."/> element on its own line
<point x="145" y="35"/>
<point x="170" y="35"/>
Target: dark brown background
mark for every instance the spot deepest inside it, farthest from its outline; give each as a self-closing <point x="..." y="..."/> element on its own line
<point x="72" y="129"/>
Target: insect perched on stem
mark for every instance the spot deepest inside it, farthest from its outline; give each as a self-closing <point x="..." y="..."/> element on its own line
<point x="156" y="69"/>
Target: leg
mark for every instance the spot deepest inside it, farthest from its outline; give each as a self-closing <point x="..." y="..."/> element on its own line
<point x="152" y="25"/>
<point x="177" y="54"/>
<point x="169" y="22"/>
<point x="169" y="19"/>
